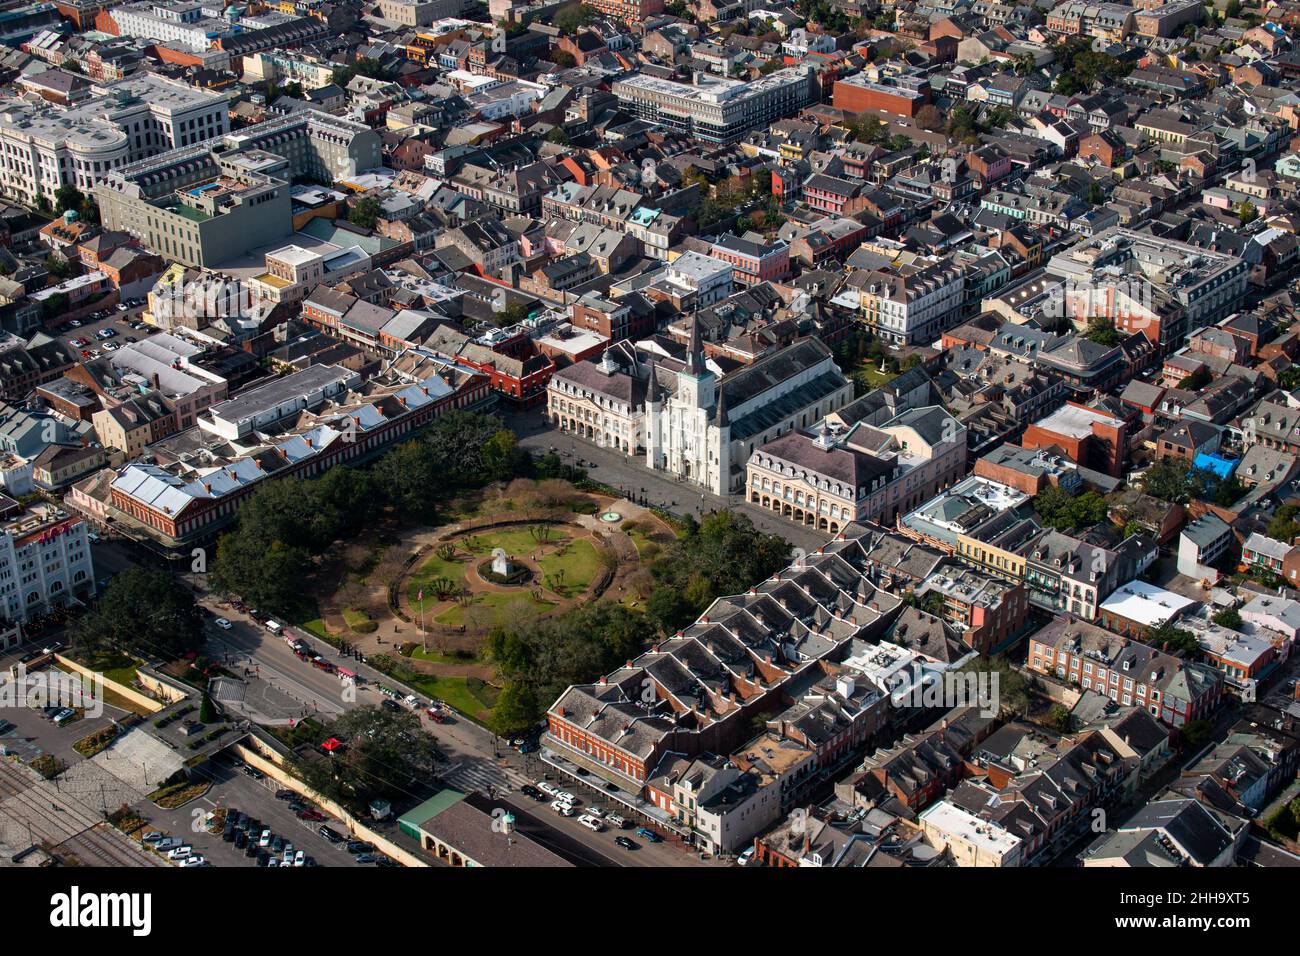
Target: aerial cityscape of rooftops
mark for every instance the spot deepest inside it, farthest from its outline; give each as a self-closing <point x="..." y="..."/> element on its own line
<point x="628" y="433"/>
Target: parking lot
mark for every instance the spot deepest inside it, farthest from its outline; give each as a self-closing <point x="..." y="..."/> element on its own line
<point x="32" y="729"/>
<point x="85" y="339"/>
<point x="233" y="789"/>
<point x="636" y="851"/>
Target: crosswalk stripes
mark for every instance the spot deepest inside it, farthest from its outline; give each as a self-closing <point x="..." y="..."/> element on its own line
<point x="481" y="775"/>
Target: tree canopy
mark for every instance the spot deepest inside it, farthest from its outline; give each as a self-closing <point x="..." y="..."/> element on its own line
<point x="365" y="212"/>
<point x="1066" y="512"/>
<point x="386" y="756"/>
<point x="539" y="659"/>
<point x="283" y="524"/>
<point x="1102" y="331"/>
<point x="726" y="555"/>
<point x="142" y="613"/>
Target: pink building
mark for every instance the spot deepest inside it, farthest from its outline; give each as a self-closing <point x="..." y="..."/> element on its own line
<point x="753" y="262"/>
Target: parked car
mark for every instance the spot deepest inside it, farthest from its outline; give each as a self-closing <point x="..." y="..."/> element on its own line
<point x="547" y="788"/>
<point x="591" y="823"/>
<point x="330" y="834"/>
<point x="300" y="858"/>
<point x="265" y="839"/>
<point x="367" y="858"/>
<point x="179" y="852"/>
<point x="195" y="860"/>
<point x="566" y="797"/>
<point x="528" y="790"/>
<point x="646" y="833"/>
<point x="222" y="623"/>
<point x="310" y="815"/>
<point x="388" y="704"/>
<point x="614" y="820"/>
<point x="286" y="794"/>
<point x="745" y="858"/>
<point x="562" y="808"/>
<point x="625" y="843"/>
<point x="359" y="846"/>
<point x="152" y="838"/>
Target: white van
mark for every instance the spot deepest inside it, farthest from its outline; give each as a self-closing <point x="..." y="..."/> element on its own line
<point x="546" y="788"/>
<point x="745" y="858"/>
<point x="562" y="808"/>
<point x="179" y="853"/>
<point x="275" y="627"/>
<point x="565" y="797"/>
<point x="590" y="822"/>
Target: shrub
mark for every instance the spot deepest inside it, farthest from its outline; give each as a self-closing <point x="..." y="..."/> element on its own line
<point x="366" y="627"/>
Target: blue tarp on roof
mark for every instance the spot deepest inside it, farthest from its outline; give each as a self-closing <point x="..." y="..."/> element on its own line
<point x="1221" y="467"/>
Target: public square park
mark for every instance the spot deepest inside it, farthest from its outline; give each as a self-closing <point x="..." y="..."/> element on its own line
<point x="506" y="556"/>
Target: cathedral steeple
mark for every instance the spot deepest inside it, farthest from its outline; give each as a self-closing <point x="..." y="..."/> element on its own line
<point x="721" y="419"/>
<point x="694" y="352"/>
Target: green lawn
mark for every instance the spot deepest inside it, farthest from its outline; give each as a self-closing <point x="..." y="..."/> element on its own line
<point x="453" y="690"/>
<point x="435" y="567"/>
<point x="433" y="656"/>
<point x="122" y="675"/>
<point x="516" y="541"/>
<point x="580" y="564"/>
<point x="316" y="626"/>
<point x="872" y="374"/>
<point x="355" y="616"/>
<point x="641" y="540"/>
<point x="499" y="604"/>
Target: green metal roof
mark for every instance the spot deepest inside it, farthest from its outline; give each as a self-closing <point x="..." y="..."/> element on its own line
<point x="426" y="811"/>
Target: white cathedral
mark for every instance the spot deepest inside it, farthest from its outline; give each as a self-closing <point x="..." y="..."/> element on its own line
<point x="641" y="400"/>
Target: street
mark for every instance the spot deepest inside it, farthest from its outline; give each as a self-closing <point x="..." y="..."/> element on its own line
<point x="475" y="759"/>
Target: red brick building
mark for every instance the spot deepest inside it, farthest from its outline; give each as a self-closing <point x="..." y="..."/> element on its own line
<point x="1091" y="438"/>
<point x="860" y="95"/>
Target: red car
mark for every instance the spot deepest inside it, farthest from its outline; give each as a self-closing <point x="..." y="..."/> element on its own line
<point x="434" y="715"/>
